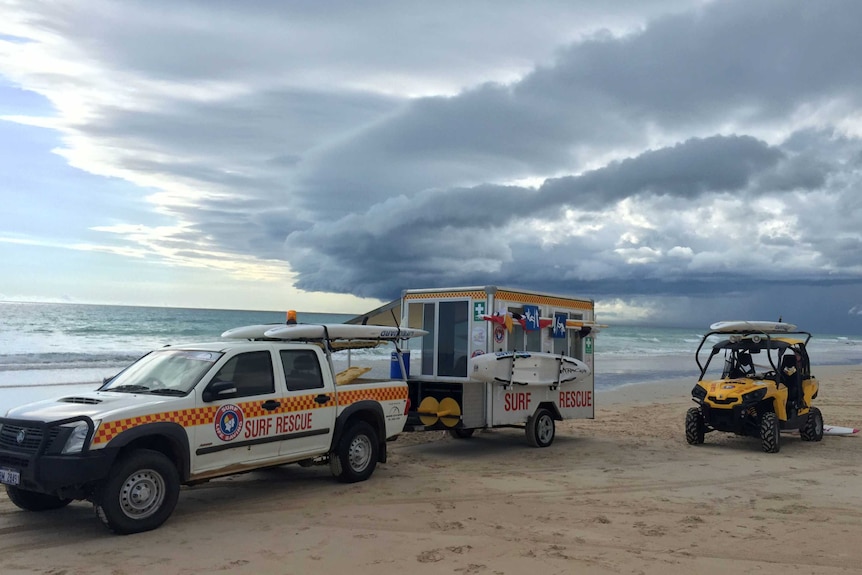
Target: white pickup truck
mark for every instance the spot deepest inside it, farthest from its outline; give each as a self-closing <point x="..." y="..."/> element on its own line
<point x="185" y="414"/>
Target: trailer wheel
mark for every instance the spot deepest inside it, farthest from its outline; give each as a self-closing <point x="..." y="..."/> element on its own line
<point x="769" y="433"/>
<point x="541" y="428"/>
<point x="139" y="494"/>
<point x="355" y="457"/>
<point x="461" y="433"/>
<point x="32" y="501"/>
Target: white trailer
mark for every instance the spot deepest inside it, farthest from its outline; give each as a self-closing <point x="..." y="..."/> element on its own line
<point x="463" y="323"/>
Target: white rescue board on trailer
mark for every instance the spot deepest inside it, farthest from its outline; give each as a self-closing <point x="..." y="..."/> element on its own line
<point x="527" y="368"/>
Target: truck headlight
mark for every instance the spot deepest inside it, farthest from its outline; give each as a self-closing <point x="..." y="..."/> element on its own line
<point x="75" y="442"/>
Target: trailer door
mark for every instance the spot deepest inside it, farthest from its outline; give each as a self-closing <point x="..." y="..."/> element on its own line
<point x="445" y="350"/>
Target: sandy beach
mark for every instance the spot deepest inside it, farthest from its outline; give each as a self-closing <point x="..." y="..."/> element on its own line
<point x="623" y="493"/>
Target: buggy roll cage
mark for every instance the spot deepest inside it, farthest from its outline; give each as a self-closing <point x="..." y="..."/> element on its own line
<point x="737" y="336"/>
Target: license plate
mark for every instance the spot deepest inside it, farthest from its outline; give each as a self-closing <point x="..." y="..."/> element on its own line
<point x="9" y="476"/>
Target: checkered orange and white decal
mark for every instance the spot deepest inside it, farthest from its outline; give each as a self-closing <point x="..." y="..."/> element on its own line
<point x="250" y="409"/>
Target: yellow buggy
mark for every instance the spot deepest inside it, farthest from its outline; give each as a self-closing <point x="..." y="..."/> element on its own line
<point x="765" y="386"/>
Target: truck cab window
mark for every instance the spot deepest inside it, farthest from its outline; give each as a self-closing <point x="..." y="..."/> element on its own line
<point x="251" y="372"/>
<point x="301" y="370"/>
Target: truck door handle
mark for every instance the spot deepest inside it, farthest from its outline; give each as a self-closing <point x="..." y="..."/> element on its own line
<point x="322" y="398"/>
<point x="271" y="404"/>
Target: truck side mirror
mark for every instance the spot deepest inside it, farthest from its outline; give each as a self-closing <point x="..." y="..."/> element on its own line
<point x="219" y="390"/>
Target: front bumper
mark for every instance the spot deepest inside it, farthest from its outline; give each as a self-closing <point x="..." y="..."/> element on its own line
<point x="31" y="452"/>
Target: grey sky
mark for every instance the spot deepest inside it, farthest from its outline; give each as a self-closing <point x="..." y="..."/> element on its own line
<point x="679" y="161"/>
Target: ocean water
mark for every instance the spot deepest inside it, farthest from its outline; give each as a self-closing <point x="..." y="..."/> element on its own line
<point x="45" y="345"/>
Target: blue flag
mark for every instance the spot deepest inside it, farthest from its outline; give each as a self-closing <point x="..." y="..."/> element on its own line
<point x="531" y="317"/>
<point x="560" y="325"/>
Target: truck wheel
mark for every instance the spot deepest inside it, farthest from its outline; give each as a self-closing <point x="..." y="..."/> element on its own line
<point x="813" y="428"/>
<point x="540" y="428"/>
<point x="769" y="433"/>
<point x="355" y="457"/>
<point x="461" y="433"/>
<point x="139" y="494"/>
<point x="695" y="428"/>
<point x="32" y="501"/>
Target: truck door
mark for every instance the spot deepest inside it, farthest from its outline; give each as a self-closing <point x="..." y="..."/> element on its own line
<point x="239" y="427"/>
<point x="307" y="418"/>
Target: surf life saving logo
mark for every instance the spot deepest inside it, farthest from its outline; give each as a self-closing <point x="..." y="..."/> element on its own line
<point x="228" y="422"/>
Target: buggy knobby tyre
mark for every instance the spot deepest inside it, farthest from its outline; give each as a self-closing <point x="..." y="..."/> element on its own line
<point x="695" y="428"/>
<point x="139" y="494"/>
<point x="355" y="457"/>
<point x="813" y="428"/>
<point x="769" y="433"/>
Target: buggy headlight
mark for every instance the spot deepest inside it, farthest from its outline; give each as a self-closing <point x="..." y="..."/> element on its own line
<point x="698" y="392"/>
<point x="754" y="396"/>
<point x="75" y="442"/>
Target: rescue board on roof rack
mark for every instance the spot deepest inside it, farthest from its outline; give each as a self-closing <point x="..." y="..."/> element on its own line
<point x="318" y="331"/>
<point x="250" y="331"/>
<point x="341" y="331"/>
<point x="759" y="326"/>
<point x="527" y="368"/>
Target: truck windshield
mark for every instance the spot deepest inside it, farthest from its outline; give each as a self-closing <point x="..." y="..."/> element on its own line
<point x="167" y="372"/>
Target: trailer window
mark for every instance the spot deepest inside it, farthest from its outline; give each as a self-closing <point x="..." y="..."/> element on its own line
<point x="452" y="339"/>
<point x="445" y="349"/>
<point x="521" y="339"/>
<point x="428" y="324"/>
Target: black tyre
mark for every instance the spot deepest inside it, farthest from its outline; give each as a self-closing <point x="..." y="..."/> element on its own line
<point x="32" y="501"/>
<point x="813" y="428"/>
<point x="769" y="433"/>
<point x="355" y="457"/>
<point x="541" y="428"/>
<point x="140" y="493"/>
<point x="695" y="428"/>
<point x="461" y="433"/>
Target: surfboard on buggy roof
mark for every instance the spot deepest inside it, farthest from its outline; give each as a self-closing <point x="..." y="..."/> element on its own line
<point x="741" y="326"/>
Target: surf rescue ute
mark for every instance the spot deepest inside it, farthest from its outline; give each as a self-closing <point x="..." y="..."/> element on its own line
<point x="263" y="396"/>
<point x="495" y="357"/>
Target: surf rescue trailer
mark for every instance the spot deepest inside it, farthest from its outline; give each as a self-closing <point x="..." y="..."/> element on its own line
<point x="495" y="357"/>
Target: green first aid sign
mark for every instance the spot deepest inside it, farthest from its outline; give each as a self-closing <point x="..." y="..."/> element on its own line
<point x="588" y="345"/>
<point x="480" y="308"/>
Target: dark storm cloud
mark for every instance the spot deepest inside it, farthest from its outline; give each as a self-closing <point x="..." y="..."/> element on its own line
<point x="439" y="230"/>
<point x="729" y="63"/>
<point x="715" y="164"/>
